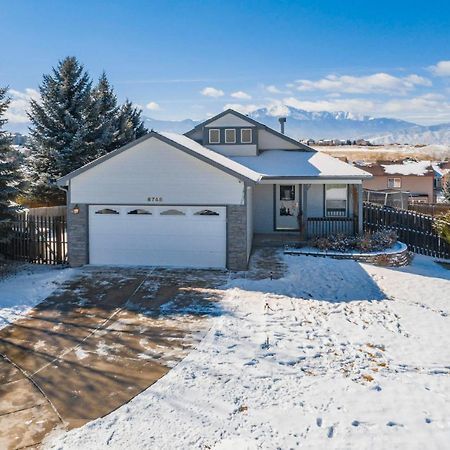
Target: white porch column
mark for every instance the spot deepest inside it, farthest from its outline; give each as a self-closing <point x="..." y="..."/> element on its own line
<point x="360" y="208"/>
<point x="305" y="188"/>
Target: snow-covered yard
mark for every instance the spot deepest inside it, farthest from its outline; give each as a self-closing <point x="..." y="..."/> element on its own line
<point x="334" y="355"/>
<point x="30" y="285"/>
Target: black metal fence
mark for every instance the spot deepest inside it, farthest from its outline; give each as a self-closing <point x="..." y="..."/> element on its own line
<point x="324" y="226"/>
<point x="431" y="209"/>
<point x="37" y="239"/>
<point x="413" y="228"/>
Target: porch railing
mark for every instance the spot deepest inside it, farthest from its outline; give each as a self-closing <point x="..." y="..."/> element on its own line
<point x="324" y="226"/>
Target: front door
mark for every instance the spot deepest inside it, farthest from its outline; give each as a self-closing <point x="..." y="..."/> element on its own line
<point x="287" y="206"/>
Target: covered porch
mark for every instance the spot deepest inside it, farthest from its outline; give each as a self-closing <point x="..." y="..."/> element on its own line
<point x="301" y="210"/>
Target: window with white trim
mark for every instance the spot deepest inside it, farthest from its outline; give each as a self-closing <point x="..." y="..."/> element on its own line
<point x="394" y="183"/>
<point x="336" y="200"/>
<point x="214" y="136"/>
<point x="246" y="136"/>
<point x="230" y="136"/>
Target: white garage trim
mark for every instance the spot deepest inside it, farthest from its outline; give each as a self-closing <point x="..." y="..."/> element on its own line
<point x="171" y="236"/>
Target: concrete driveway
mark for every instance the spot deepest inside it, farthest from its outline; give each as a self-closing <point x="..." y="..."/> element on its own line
<point x="97" y="343"/>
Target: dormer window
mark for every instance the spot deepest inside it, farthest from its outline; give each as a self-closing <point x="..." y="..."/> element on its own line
<point x="230" y="136"/>
<point x="246" y="136"/>
<point x="214" y="136"/>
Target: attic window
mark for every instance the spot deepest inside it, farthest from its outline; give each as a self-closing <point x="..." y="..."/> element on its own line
<point x="246" y="136"/>
<point x="139" y="211"/>
<point x="206" y="212"/>
<point x="230" y="136"/>
<point x="106" y="211"/>
<point x="214" y="136"/>
<point x="172" y="212"/>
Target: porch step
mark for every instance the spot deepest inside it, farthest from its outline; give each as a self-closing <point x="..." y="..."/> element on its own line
<point x="277" y="240"/>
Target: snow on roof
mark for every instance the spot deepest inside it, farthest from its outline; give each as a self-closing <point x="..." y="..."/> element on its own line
<point x="213" y="156"/>
<point x="270" y="163"/>
<point x="408" y="168"/>
<point x="440" y="169"/>
<point x="284" y="163"/>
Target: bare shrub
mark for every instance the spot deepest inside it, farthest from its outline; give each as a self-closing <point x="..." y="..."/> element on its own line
<point x="377" y="241"/>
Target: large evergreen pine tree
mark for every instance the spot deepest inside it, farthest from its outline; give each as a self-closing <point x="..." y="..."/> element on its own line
<point x="10" y="180"/>
<point x="113" y="125"/>
<point x="131" y="126"/>
<point x="74" y="124"/>
<point x="106" y="116"/>
<point x="61" y="135"/>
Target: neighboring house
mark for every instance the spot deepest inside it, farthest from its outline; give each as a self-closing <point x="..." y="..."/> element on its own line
<point x="196" y="200"/>
<point x="441" y="178"/>
<point x="413" y="177"/>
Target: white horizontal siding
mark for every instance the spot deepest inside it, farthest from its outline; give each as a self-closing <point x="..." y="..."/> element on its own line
<point x="155" y="169"/>
<point x="229" y="120"/>
<point x="269" y="141"/>
<point x="263" y="208"/>
<point x="235" y="149"/>
<point x="315" y="201"/>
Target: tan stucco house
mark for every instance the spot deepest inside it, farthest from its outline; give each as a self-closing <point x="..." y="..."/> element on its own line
<point x="198" y="199"/>
<point x="413" y="177"/>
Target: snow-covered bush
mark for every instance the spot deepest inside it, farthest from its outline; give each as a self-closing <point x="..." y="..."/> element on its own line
<point x="383" y="239"/>
<point x="380" y="240"/>
<point x="442" y="226"/>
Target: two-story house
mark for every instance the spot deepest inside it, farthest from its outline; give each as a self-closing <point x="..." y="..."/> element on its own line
<point x="416" y="178"/>
<point x="197" y="200"/>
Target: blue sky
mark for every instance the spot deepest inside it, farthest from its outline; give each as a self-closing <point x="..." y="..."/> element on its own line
<point x="179" y="59"/>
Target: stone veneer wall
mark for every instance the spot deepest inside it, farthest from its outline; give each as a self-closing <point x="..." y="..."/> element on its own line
<point x="237" y="237"/>
<point x="401" y="258"/>
<point x="77" y="236"/>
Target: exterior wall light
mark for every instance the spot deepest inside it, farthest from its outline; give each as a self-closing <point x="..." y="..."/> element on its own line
<point x="76" y="209"/>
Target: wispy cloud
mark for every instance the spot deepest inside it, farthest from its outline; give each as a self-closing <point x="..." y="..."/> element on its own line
<point x="153" y="106"/>
<point x="371" y="84"/>
<point x="339" y="104"/>
<point x="241" y="95"/>
<point x="212" y="92"/>
<point x="274" y="107"/>
<point x="441" y="69"/>
<point x="244" y="109"/>
<point x="20" y="101"/>
<point x="272" y="89"/>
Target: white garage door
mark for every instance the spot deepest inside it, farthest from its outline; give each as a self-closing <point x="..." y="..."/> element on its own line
<point x="158" y="236"/>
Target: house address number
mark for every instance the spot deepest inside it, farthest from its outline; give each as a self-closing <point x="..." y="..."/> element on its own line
<point x="155" y="199"/>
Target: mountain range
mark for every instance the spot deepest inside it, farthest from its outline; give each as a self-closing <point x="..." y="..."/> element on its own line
<point x="333" y="125"/>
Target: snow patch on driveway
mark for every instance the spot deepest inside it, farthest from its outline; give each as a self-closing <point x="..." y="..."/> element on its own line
<point x="25" y="289"/>
<point x="334" y="355"/>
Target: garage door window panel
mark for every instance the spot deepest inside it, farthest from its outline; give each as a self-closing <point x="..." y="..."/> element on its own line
<point x="107" y="211"/>
<point x="172" y="212"/>
<point x="206" y="212"/>
<point x="139" y="212"/>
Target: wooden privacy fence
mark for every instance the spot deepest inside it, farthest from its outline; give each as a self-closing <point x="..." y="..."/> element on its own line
<point x="413" y="228"/>
<point x="37" y="239"/>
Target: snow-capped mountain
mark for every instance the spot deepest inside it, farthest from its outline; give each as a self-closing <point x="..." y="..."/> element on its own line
<point x="303" y="124"/>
